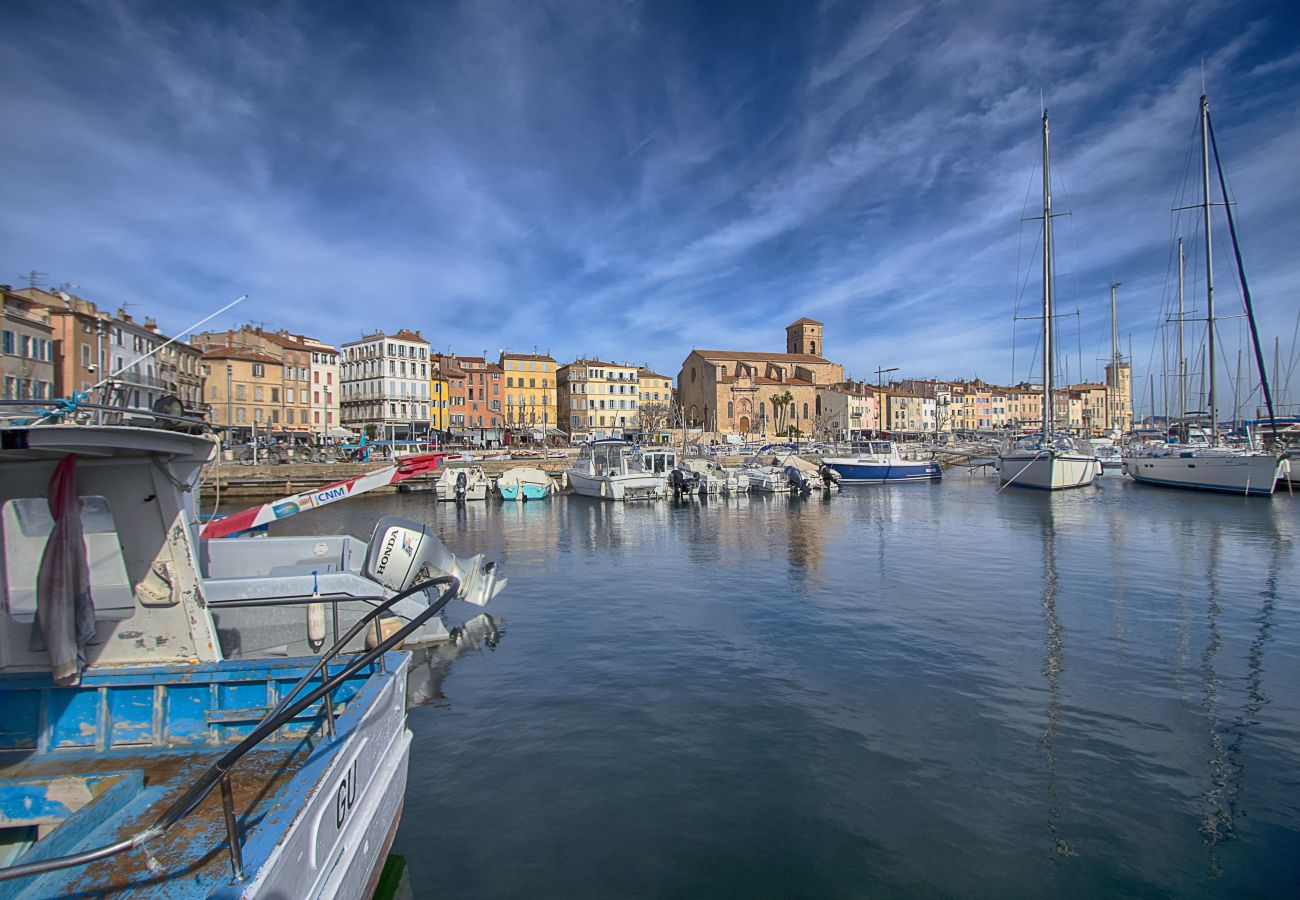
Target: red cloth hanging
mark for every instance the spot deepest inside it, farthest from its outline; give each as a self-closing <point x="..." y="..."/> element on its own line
<point x="65" y="612"/>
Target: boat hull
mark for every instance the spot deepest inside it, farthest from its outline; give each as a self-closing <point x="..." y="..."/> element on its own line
<point x="617" y="487"/>
<point x="523" y="491"/>
<point x="1254" y="475"/>
<point x="862" y="472"/>
<point x="1048" y="471"/>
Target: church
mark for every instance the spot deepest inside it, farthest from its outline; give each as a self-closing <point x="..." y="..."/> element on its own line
<point x="732" y="391"/>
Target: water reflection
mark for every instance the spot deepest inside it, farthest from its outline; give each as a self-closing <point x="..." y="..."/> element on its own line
<point x="1053" y="666"/>
<point x="431" y="665"/>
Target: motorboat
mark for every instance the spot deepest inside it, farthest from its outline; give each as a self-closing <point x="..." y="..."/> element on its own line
<point x="613" y="469"/>
<point x="136" y="756"/>
<point x="524" y="483"/>
<point x="879" y="462"/>
<point x="703" y="476"/>
<point x="766" y="469"/>
<point x="461" y="483"/>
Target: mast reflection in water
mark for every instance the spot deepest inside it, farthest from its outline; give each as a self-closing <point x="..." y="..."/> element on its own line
<point x="910" y="690"/>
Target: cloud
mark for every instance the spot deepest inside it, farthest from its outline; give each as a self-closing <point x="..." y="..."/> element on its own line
<point x="631" y="180"/>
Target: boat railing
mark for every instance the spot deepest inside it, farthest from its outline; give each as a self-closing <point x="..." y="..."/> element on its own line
<point x="218" y="775"/>
<point x="59" y="411"/>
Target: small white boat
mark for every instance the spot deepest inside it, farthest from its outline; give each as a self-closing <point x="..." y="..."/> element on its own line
<point x="524" y="483"/>
<point x="461" y="483"/>
<point x="613" y="469"/>
<point x="778" y="469"/>
<point x="704" y="477"/>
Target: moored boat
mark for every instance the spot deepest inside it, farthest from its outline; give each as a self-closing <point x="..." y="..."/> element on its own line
<point x="461" y="483"/>
<point x="524" y="483"/>
<point x="1211" y="464"/>
<point x="1049" y="461"/>
<point x="879" y="462"/>
<point x="612" y="469"/>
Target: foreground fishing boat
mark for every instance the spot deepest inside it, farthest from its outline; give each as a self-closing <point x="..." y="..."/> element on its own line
<point x="879" y="462"/>
<point x="1211" y="465"/>
<point x="613" y="469"/>
<point x="135" y="758"/>
<point x="1049" y="460"/>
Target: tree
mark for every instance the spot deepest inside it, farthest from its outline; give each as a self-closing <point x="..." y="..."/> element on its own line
<point x="654" y="416"/>
<point x="781" y="406"/>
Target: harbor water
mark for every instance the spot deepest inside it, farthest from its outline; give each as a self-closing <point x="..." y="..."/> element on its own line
<point x="924" y="689"/>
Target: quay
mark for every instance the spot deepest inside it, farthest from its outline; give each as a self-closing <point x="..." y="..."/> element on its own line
<point x="234" y="480"/>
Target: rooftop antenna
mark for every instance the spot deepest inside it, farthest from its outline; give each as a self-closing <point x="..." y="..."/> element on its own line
<point x="33" y="277"/>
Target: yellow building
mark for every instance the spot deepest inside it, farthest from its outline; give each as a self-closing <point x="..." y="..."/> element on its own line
<point x="530" y="389"/>
<point x="598" y="399"/>
<point x="439" y="400"/>
<point x="654" y="388"/>
<point x="243" y="387"/>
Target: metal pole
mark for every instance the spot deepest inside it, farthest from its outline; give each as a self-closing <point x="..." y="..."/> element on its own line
<point x="230" y="378"/>
<point x="232" y="829"/>
<point x="1049" y="412"/>
<point x="1209" y="268"/>
<point x="1182" y="357"/>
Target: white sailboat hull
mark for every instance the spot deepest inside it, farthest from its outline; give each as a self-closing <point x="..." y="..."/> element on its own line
<point x="1254" y="474"/>
<point x="1048" y="471"/>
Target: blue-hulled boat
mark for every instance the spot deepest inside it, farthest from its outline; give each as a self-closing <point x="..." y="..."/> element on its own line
<point x="879" y="462"/>
<point x="524" y="483"/>
<point x="135" y="758"/>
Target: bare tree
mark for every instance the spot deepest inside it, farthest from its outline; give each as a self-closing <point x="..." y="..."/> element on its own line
<point x="654" y="416"/>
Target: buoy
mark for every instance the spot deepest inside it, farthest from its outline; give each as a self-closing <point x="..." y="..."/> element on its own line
<point x="315" y="617"/>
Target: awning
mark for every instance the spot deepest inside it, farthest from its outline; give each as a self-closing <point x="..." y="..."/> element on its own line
<point x="339" y="431"/>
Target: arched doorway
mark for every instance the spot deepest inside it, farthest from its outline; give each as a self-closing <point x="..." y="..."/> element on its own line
<point x="744" y="424"/>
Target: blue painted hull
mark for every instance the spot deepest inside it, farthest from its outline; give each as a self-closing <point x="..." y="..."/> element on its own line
<point x="529" y="491"/>
<point x="882" y="473"/>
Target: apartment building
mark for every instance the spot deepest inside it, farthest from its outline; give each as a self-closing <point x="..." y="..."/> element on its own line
<point x="242" y="389"/>
<point x="530" y="390"/>
<point x="27" y="354"/>
<point x="598" y="399"/>
<point x="385" y="381"/>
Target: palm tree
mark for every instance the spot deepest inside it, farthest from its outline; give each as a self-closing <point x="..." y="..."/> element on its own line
<point x="780" y="405"/>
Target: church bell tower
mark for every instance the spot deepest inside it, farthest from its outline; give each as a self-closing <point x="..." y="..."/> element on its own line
<point x="804" y="337"/>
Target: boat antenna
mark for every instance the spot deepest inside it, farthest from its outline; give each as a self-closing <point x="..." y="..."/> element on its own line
<point x="135" y="362"/>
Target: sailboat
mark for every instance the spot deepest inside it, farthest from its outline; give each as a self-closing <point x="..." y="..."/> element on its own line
<point x="1199" y="460"/>
<point x="1049" y="460"/>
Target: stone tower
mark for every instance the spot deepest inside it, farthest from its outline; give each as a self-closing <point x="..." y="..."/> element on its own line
<point x="804" y="337"/>
<point x="1119" y="390"/>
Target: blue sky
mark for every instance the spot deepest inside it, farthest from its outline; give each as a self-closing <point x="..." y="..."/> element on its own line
<point x="633" y="179"/>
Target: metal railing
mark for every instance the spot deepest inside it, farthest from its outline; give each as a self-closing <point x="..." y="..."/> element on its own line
<point x="218" y="774"/>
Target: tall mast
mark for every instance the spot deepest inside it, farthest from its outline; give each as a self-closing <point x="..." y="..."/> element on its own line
<point x="1182" y="358"/>
<point x="1048" y="410"/>
<point x="1209" y="266"/>
<point x="1112" y="380"/>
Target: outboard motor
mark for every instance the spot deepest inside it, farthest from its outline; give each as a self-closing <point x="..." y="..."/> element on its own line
<point x="682" y="483"/>
<point x="402" y="553"/>
<point x="462" y="486"/>
<point x="830" y="477"/>
<point x="798" y="479"/>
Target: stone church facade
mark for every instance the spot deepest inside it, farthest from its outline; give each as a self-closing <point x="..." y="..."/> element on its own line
<point x="732" y="391"/>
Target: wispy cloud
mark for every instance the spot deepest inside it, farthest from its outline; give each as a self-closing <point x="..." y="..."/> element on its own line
<point x="633" y="179"/>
